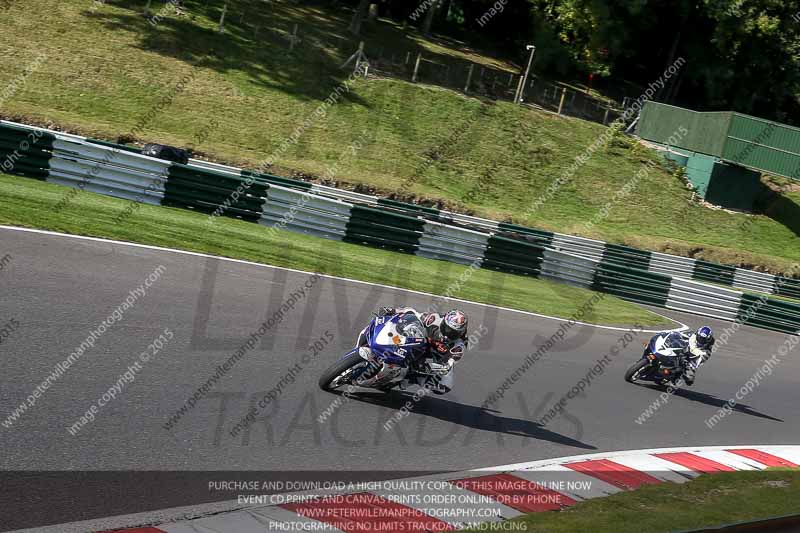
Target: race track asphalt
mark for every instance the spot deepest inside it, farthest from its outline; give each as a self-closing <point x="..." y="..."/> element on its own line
<point x="58" y="288"/>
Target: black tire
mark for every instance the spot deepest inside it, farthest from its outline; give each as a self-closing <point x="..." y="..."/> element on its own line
<point x="635" y="368"/>
<point x="337" y="369"/>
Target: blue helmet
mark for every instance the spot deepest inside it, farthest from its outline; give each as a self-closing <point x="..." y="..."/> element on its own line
<point x="705" y="337"/>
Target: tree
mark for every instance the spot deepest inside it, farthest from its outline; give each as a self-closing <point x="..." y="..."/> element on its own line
<point x="359" y="15"/>
<point x="429" y="15"/>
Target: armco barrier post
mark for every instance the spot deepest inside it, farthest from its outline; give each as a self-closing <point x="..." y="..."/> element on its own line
<point x="416" y="68"/>
<point x="293" y="38"/>
<point x="563" y="96"/>
<point x="222" y="18"/>
<point x="469" y="77"/>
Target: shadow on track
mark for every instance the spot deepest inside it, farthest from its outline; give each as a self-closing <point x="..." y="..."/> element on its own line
<point x="713" y="401"/>
<point x="469" y="416"/>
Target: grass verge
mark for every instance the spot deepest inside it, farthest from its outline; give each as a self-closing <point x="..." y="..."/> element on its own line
<point x="29" y="203"/>
<point x="710" y="500"/>
<point x="105" y="66"/>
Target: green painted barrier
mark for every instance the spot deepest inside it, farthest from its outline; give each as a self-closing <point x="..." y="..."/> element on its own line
<point x="713" y="272"/>
<point x="25" y="152"/>
<point x="211" y="192"/>
<point x="786" y="287"/>
<point x="625" y="255"/>
<point x="769" y="313"/>
<point x="383" y="229"/>
<point x="512" y="256"/>
<point x="636" y="285"/>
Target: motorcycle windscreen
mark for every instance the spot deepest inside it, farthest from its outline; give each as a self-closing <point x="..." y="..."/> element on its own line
<point x="670" y="345"/>
<point x="401" y="337"/>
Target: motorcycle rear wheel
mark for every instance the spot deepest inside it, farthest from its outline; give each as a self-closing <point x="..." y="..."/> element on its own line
<point x="336" y="375"/>
<point x="633" y="373"/>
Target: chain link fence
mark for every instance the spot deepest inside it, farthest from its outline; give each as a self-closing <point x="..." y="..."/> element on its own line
<point x="465" y="76"/>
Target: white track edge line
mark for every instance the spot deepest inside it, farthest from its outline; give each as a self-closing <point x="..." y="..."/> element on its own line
<point x="683" y="327"/>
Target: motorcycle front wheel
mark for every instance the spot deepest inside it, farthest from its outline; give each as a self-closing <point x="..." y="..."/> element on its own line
<point x="635" y="370"/>
<point x="341" y="372"/>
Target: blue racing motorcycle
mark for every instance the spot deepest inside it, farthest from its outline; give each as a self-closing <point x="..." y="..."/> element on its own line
<point x="663" y="360"/>
<point x="389" y="350"/>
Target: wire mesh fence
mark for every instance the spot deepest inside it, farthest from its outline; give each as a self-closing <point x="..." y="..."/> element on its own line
<point x="420" y="66"/>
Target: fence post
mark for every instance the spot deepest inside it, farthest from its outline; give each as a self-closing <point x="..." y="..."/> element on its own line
<point x="293" y="38"/>
<point x="469" y="77"/>
<point x="510" y="79"/>
<point x="416" y="68"/>
<point x="222" y="18"/>
<point x="605" y="117"/>
<point x="517" y="94"/>
<point x="408" y="57"/>
<point x="563" y="96"/>
<point x="359" y="55"/>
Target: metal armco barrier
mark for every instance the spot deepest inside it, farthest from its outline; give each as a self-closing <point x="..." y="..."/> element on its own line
<point x="109" y="171"/>
<point x="645" y="277"/>
<point x="25" y="152"/>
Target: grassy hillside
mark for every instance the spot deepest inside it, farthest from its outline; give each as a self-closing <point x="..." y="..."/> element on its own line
<point x="101" y="70"/>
